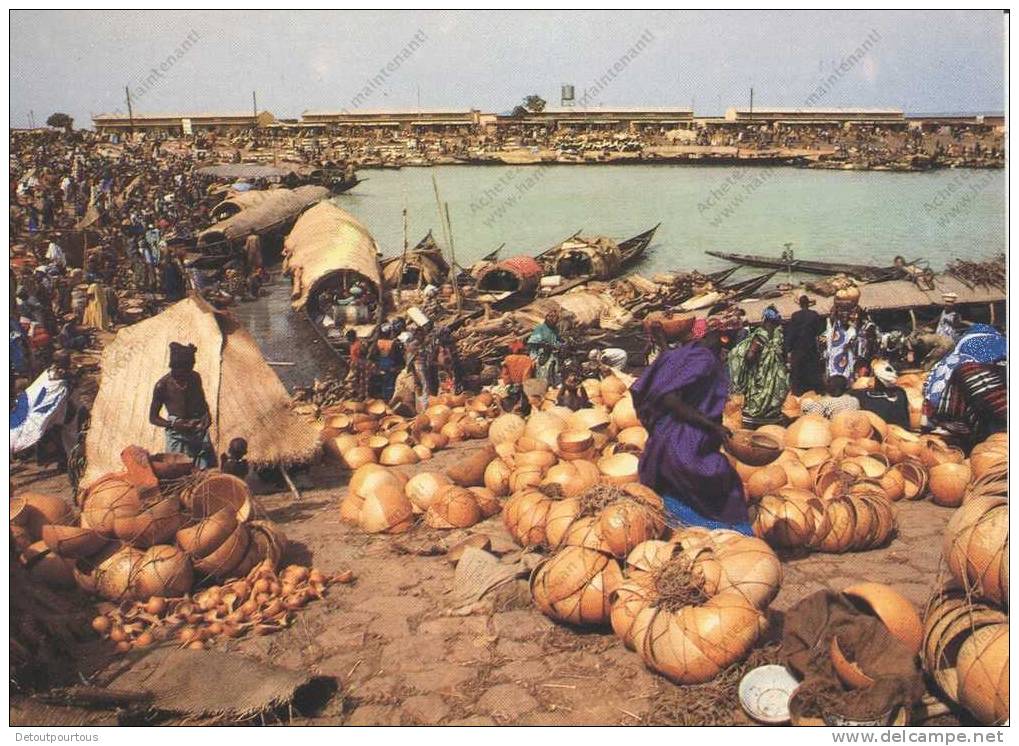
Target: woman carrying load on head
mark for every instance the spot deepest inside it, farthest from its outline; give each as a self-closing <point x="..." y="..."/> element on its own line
<point x="758" y="371"/>
<point x="679" y="400"/>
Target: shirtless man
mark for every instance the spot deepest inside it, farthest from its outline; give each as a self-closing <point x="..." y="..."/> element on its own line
<point x="188" y="418"/>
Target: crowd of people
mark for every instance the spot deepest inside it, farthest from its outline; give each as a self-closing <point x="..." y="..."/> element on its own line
<point x="834" y="364"/>
<point x="100" y="236"/>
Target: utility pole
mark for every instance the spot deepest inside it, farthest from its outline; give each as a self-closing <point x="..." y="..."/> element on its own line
<point x="31" y="119"/>
<point x="130" y="111"/>
<point x="751" y="103"/>
<point x="254" y="108"/>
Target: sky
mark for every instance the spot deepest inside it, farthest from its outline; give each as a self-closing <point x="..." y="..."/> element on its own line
<point x="79" y="62"/>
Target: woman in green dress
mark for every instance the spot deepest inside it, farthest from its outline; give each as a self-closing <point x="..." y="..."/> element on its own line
<point x="758" y="371"/>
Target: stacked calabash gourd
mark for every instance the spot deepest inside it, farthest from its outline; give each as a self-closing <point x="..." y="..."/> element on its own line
<point x="820" y="485"/>
<point x="966" y="625"/>
<point x="136" y="537"/>
<point x="358" y="433"/>
<point x="690" y="606"/>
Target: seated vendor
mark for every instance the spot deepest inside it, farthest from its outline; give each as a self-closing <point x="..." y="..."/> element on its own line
<point x="884" y="398"/>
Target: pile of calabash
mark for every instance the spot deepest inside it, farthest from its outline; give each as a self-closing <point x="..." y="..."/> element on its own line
<point x="381" y="500"/>
<point x="965" y="646"/>
<point x="690" y="606"/>
<point x="356" y="433"/>
<point x="137" y="536"/>
<point x="261" y="603"/>
<point x="965" y="651"/>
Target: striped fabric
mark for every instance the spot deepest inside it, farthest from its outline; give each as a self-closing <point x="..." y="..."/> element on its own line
<point x="977" y="395"/>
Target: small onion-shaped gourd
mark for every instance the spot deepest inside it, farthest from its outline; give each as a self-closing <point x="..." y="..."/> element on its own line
<point x="575" y="585"/>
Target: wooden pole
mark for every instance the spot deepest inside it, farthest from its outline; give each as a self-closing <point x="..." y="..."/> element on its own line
<point x="403" y="259"/>
<point x="453" y="268"/>
<point x="254" y="109"/>
<point x="130" y="111"/>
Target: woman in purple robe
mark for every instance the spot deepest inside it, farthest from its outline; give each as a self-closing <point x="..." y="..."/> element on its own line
<point x="679" y="400"/>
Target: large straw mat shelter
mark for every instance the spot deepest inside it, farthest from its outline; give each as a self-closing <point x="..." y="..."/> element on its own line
<point x="326" y="242"/>
<point x="246" y="398"/>
<point x="279" y="208"/>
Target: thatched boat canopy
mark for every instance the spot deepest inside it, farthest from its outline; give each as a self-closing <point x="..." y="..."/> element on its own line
<point x="423" y="265"/>
<point x="329" y="243"/>
<point x="239" y="201"/>
<point x="246" y="398"/>
<point x="518" y="274"/>
<point x="582" y="256"/>
<point x="276" y="211"/>
<point x="252" y="171"/>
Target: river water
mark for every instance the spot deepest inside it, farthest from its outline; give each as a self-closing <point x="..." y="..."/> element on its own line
<point x="864" y="217"/>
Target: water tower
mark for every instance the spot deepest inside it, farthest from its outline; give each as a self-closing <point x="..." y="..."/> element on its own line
<point x="567" y="95"/>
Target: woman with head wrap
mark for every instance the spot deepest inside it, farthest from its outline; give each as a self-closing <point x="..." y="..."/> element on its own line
<point x="840" y="339"/>
<point x="885" y="399"/>
<point x="967" y="390"/>
<point x="758" y="371"/>
<point x="679" y="400"/>
<point x="543" y="346"/>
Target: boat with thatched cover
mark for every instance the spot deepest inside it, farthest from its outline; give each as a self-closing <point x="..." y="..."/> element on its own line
<point x="326" y="253"/>
<point x="420" y="266"/>
<point x="238" y="202"/>
<point x="275" y="213"/>
<point x="246" y="398"/>
<point x="517" y="277"/>
<point x="595" y="257"/>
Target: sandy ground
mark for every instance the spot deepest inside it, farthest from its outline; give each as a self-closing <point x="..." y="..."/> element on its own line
<point x="403" y="657"/>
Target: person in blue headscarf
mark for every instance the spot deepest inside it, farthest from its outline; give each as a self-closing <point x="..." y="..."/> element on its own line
<point x="758" y="371"/>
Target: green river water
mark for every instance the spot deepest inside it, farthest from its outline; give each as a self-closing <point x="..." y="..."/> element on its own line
<point x="858" y="217"/>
